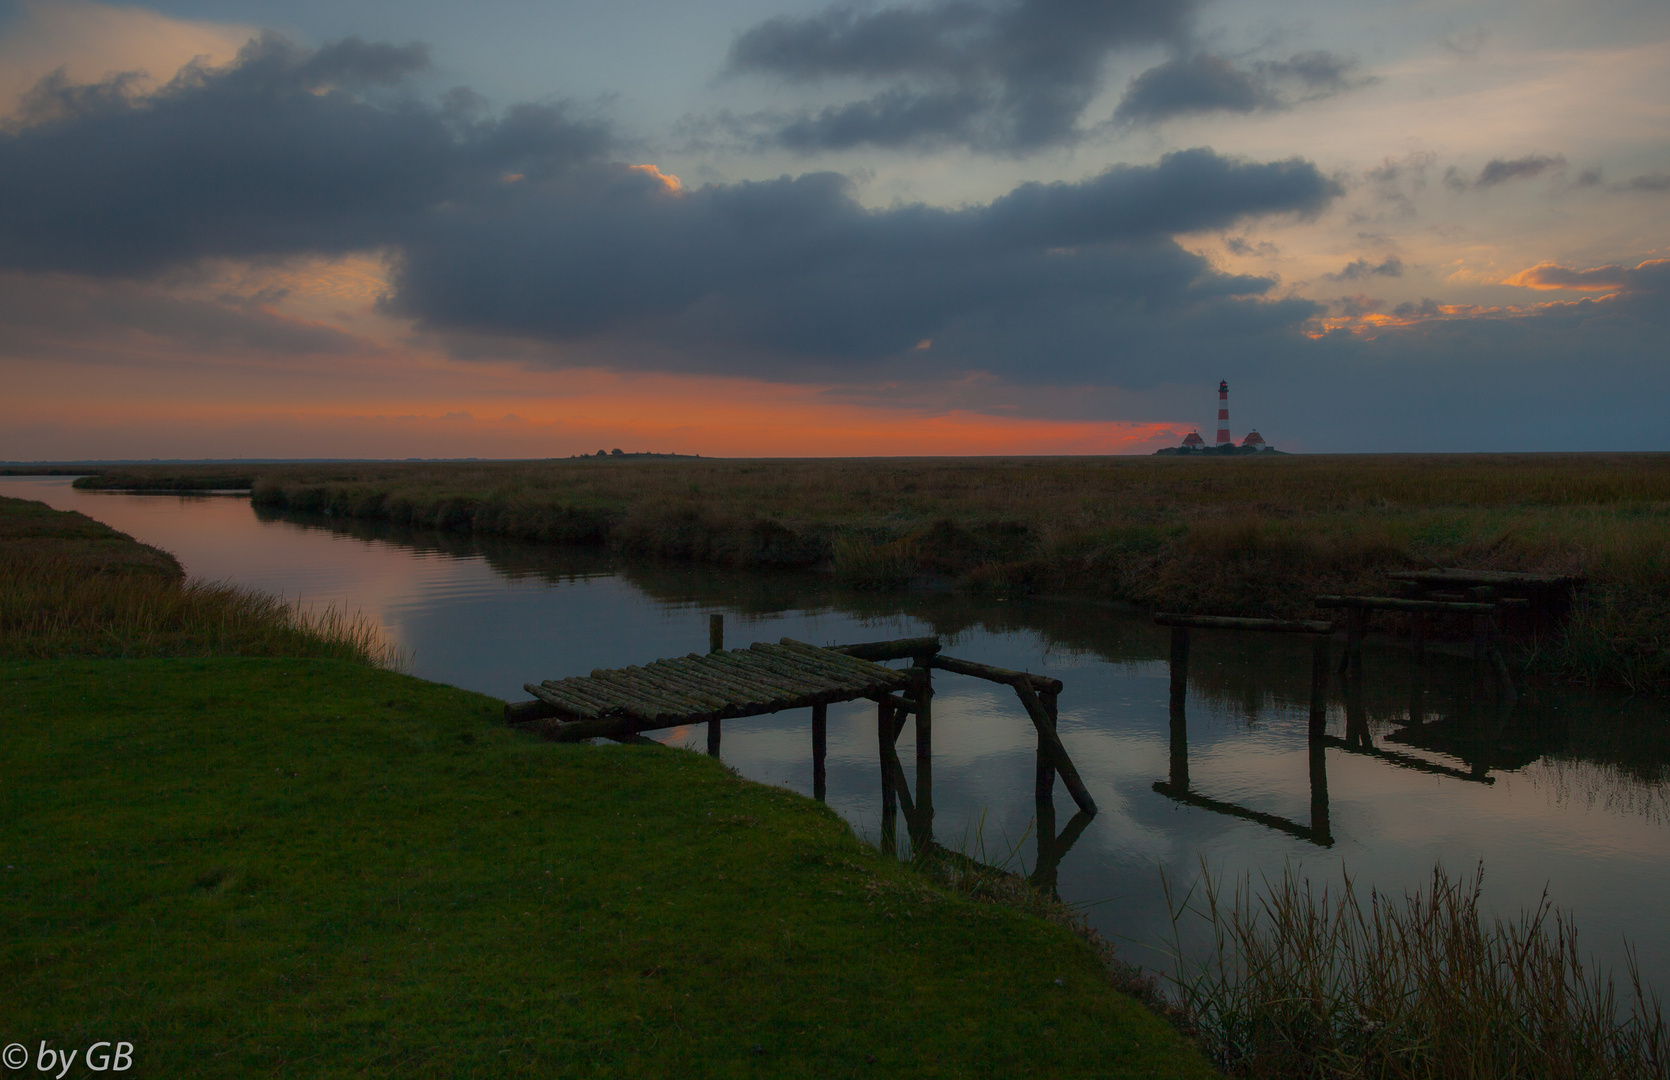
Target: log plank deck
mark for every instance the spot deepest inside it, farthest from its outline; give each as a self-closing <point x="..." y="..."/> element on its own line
<point x="763" y="678"/>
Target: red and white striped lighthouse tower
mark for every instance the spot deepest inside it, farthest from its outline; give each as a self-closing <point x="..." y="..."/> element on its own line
<point x="1223" y="413"/>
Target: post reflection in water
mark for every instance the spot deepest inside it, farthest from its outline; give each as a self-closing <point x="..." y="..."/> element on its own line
<point x="1177" y="785"/>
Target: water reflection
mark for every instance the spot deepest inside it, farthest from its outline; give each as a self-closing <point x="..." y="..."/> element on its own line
<point x="1564" y="790"/>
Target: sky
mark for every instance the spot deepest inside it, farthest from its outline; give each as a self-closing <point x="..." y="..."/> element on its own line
<point x="780" y="228"/>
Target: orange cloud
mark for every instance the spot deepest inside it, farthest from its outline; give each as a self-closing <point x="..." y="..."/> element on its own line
<point x="1652" y="275"/>
<point x="1544" y="276"/>
<point x="669" y="182"/>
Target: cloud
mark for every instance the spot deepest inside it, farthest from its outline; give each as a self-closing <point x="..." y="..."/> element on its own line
<point x="1008" y="76"/>
<point x="1240" y="245"/>
<point x="75" y="316"/>
<point x="1203" y="83"/>
<point x="283" y="150"/>
<point x="1652" y="276"/>
<point x="1501" y="170"/>
<point x="516" y="235"/>
<point x="795" y="275"/>
<point x="1648" y="182"/>
<point x="1390" y="266"/>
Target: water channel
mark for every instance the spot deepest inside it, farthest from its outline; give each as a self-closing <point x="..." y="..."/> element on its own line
<point x="1563" y="791"/>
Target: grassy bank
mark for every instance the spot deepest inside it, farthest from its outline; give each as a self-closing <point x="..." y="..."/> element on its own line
<point x="295" y="863"/>
<point x="72" y="586"/>
<point x="311" y="867"/>
<point x="1233" y="536"/>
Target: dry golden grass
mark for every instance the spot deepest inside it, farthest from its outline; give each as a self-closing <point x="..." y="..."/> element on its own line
<point x="1258" y="535"/>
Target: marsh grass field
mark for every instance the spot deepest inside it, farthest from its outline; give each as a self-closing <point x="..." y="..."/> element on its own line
<point x="1236" y="536"/>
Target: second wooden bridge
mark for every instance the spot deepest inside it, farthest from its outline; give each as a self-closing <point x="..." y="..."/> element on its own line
<point x="623" y="703"/>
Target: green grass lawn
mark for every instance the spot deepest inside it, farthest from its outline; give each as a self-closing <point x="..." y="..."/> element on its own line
<point x="310" y="867"/>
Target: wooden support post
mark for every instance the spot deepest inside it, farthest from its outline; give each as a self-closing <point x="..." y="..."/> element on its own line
<point x="1481" y="649"/>
<point x="1179" y="717"/>
<point x="1043" y="783"/>
<point x="1045" y="723"/>
<point x="1319" y="676"/>
<point x="715" y="643"/>
<point x="889" y="799"/>
<point x="1356" y="624"/>
<point x="1417" y="636"/>
<point x="820" y="749"/>
<point x="1179" y="666"/>
<point x="924" y="693"/>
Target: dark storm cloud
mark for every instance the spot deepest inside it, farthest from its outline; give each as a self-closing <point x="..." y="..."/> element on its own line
<point x="277" y="152"/>
<point x="1501" y="170"/>
<point x="775" y="274"/>
<point x="1390" y="266"/>
<point x="517" y="229"/>
<point x="1203" y="83"/>
<point x="1010" y="77"/>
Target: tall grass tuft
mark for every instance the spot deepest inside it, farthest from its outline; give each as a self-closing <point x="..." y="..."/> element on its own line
<point x="70" y="586"/>
<point x="1305" y="984"/>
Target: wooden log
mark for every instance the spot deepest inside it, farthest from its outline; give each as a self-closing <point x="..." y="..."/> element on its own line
<point x="766" y="689"/>
<point x="581" y="689"/>
<point x="820" y="750"/>
<point x="644" y="685"/>
<point x="641" y="700"/>
<point x="671" y="680"/>
<point x="884" y="750"/>
<point x="1043" y="778"/>
<point x="526" y="712"/>
<point x="1042" y="720"/>
<point x="836" y="666"/>
<point x="1229" y="622"/>
<point x="897" y="649"/>
<point x="713" y="676"/>
<point x="563" y="702"/>
<point x="795" y="679"/>
<point x="813" y="668"/>
<point x="996" y="674"/>
<point x="832" y="656"/>
<point x="687" y="684"/>
<point x="577" y="730"/>
<point x="1398" y="603"/>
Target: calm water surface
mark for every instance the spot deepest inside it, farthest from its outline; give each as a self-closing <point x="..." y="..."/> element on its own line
<point x="1565" y="792"/>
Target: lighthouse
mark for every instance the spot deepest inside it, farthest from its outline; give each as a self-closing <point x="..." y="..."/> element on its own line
<point x="1223" y="414"/>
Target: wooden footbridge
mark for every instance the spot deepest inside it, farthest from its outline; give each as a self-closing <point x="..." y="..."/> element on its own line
<point x="623" y="703"/>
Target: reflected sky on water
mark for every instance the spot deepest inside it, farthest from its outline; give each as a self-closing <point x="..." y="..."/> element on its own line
<point x="1564" y="791"/>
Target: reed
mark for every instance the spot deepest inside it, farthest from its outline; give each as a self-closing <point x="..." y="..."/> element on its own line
<point x="1234" y="536"/>
<point x="70" y="586"/>
<point x="1301" y="983"/>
